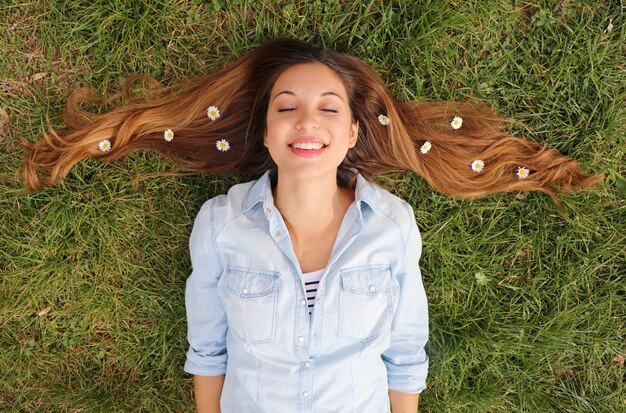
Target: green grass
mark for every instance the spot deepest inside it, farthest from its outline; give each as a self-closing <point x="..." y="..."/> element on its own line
<point x="526" y="303"/>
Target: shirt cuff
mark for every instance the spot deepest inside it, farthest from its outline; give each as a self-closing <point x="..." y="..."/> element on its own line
<point x="205" y="365"/>
<point x="407" y="379"/>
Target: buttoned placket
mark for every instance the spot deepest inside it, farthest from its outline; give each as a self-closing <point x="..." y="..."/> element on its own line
<point x="307" y="350"/>
<point x="350" y="227"/>
<point x="280" y="235"/>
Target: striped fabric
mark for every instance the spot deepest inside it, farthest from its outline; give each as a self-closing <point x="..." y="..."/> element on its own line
<point x="311" y="282"/>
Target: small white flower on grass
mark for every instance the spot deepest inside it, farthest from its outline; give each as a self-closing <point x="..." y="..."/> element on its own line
<point x="426" y="147"/>
<point x="478" y="165"/>
<point x="456" y="123"/>
<point x="222" y="145"/>
<point x="481" y="278"/>
<point x="168" y="135"/>
<point x="384" y="120"/>
<point x="522" y="173"/>
<point x="104" y="145"/>
<point x="213" y="112"/>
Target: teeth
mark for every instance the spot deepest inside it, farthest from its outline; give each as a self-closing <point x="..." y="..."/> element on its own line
<point x="311" y="146"/>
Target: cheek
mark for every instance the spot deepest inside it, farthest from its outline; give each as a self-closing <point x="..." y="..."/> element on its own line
<point x="269" y="131"/>
<point x="350" y="130"/>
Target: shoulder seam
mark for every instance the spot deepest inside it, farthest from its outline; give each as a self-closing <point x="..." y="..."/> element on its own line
<point x="402" y="238"/>
<point x="214" y="235"/>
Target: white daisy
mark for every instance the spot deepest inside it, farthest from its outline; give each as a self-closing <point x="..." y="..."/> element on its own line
<point x="522" y="173"/>
<point x="478" y="165"/>
<point x="426" y="147"/>
<point x="222" y="145"/>
<point x="168" y="135"/>
<point x="213" y="112"/>
<point x="105" y="145"/>
<point x="384" y="120"/>
<point x="456" y="123"/>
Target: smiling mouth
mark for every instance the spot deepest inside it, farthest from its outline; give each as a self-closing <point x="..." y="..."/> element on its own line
<point x="308" y="146"/>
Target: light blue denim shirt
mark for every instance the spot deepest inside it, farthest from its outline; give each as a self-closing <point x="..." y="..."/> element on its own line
<point x="248" y="318"/>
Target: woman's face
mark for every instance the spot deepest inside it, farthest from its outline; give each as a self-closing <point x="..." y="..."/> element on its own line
<point x="309" y="123"/>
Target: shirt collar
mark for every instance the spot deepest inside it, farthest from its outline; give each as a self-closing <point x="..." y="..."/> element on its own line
<point x="365" y="192"/>
<point x="261" y="191"/>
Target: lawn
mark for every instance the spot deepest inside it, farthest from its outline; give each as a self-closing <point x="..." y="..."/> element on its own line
<point x="527" y="302"/>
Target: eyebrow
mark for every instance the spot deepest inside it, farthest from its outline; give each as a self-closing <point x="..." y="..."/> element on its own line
<point x="289" y="92"/>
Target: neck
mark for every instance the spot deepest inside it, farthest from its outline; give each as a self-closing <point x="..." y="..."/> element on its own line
<point x="313" y="210"/>
<point x="311" y="203"/>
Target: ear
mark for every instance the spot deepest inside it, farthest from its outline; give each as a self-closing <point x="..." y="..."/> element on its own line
<point x="265" y="138"/>
<point x="354" y="134"/>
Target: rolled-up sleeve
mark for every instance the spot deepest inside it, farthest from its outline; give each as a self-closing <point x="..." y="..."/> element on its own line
<point x="206" y="319"/>
<point x="406" y="358"/>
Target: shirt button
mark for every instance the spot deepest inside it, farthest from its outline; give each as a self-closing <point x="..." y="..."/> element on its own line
<point x="305" y="394"/>
<point x="319" y="300"/>
<point x="277" y="233"/>
<point x="307" y="364"/>
<point x="315" y="337"/>
<point x="301" y="339"/>
<point x="268" y="211"/>
<point x="245" y="291"/>
<point x="372" y="288"/>
<point x="303" y="301"/>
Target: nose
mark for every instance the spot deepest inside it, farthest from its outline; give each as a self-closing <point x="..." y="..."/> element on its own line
<point x="307" y="119"/>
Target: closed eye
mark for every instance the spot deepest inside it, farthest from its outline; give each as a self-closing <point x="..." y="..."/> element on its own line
<point x="292" y="109"/>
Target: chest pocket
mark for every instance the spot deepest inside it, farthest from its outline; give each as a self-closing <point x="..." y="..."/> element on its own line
<point x="251" y="303"/>
<point x="365" y="305"/>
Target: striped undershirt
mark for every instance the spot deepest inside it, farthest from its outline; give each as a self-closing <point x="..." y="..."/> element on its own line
<point x="311" y="282"/>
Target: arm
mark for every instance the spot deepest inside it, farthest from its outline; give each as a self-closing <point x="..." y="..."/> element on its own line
<point x="403" y="402"/>
<point x="207" y="391"/>
<point x="206" y="320"/>
<point x="406" y="359"/>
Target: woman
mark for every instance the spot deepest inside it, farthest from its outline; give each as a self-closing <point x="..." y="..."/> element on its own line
<point x="315" y="125"/>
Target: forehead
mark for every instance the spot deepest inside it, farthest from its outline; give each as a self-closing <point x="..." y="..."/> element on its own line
<point x="309" y="78"/>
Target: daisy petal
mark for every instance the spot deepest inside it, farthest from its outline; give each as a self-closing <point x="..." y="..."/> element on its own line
<point x="456" y="123"/>
<point x="522" y="173"/>
<point x="104" y="145"/>
<point x="425" y="147"/>
<point x="222" y="145"/>
<point x="168" y="135"/>
<point x="213" y="112"/>
<point x="384" y="120"/>
<point x="478" y="165"/>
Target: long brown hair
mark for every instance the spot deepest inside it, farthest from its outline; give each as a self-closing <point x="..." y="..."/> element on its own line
<point x="241" y="91"/>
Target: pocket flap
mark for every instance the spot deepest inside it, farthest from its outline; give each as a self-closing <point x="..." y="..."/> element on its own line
<point x="367" y="280"/>
<point x="251" y="283"/>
